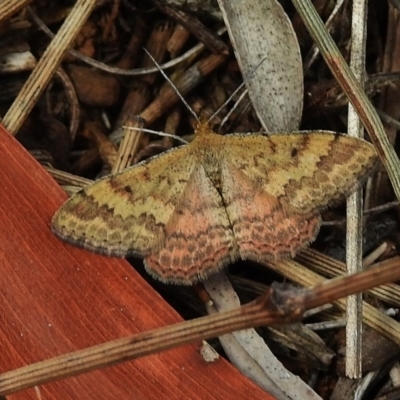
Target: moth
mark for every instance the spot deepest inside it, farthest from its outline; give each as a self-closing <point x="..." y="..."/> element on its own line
<point x="194" y="209"/>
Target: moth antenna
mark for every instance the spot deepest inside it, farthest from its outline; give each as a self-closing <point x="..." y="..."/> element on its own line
<point x="245" y="80"/>
<point x="228" y="100"/>
<point x="173" y="86"/>
<point x="134" y="128"/>
<point x="229" y="113"/>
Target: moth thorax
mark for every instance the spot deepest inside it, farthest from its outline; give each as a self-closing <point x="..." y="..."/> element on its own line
<point x="213" y="171"/>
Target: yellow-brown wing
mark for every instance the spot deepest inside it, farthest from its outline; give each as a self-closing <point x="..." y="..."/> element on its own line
<point x="126" y="213"/>
<point x="274" y="187"/>
<point x="305" y="170"/>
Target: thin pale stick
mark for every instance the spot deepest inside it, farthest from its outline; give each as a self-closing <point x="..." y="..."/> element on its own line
<point x="10" y="7"/>
<point x="375" y="254"/>
<point x="46" y="66"/>
<point x="66" y="178"/>
<point x="354" y="202"/>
